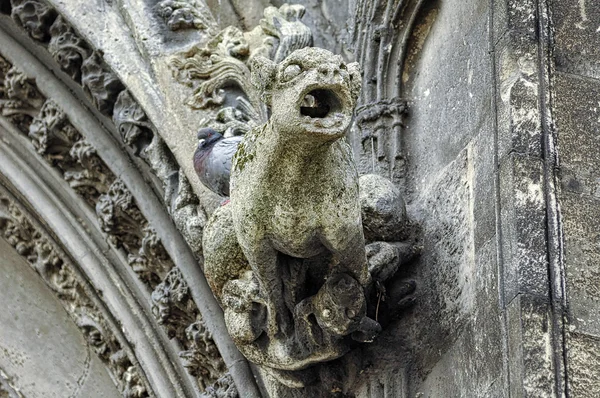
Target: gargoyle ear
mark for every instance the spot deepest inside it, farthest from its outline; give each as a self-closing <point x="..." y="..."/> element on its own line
<point x="263" y="76"/>
<point x="355" y="79"/>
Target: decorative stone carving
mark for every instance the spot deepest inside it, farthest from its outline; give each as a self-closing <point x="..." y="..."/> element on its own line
<point x="131" y="121"/>
<point x="90" y="177"/>
<point x="381" y="39"/>
<point x="99" y="83"/>
<point x="202" y="357"/>
<point x="173" y="307"/>
<point x="67" y="49"/>
<point x="207" y="70"/>
<point x="51" y="133"/>
<point x="171" y="304"/>
<point x="219" y="73"/>
<point x="20" y="101"/>
<point x="284" y="24"/>
<point x="287" y="262"/>
<point x="151" y="262"/>
<point x="187" y="214"/>
<point x="58" y="273"/>
<point x="119" y="217"/>
<point x="186" y="14"/>
<point x="35" y="16"/>
<point x="223" y="388"/>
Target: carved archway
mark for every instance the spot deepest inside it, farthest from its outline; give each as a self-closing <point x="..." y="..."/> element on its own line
<point x="70" y="112"/>
<point x="115" y="216"/>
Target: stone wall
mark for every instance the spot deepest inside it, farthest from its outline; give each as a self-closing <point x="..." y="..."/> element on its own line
<point x="497" y="156"/>
<point x="575" y="97"/>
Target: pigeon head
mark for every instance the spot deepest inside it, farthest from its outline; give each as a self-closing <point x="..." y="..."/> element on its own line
<point x="208" y="135"/>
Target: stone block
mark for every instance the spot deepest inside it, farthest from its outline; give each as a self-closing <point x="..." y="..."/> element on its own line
<point x="581" y="231"/>
<point x="576" y="38"/>
<point x="583" y="366"/>
<point x="530" y="350"/>
<point x="517" y="96"/>
<point x="577" y="114"/>
<point x="523" y="226"/>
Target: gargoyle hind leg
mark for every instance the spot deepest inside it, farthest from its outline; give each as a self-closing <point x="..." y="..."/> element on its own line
<point x="263" y="259"/>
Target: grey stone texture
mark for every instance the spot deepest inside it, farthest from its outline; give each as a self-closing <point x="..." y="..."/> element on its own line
<point x="484" y="117"/>
<point x="42" y="351"/>
<point x="576" y="92"/>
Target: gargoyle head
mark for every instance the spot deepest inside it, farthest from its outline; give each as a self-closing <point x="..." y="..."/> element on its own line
<point x="311" y="91"/>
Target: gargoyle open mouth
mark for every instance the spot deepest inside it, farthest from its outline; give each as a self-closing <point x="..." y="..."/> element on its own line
<point x="322" y="108"/>
<point x="319" y="103"/>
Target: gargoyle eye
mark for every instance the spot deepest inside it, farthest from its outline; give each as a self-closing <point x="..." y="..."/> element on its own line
<point x="290" y="72"/>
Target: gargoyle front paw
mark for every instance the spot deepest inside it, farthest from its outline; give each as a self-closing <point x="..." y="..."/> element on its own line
<point x="279" y="322"/>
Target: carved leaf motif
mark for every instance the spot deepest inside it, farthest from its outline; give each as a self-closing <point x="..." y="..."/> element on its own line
<point x="99" y="83"/>
<point x="151" y="262"/>
<point x="120" y="218"/>
<point x="51" y="133"/>
<point x="133" y="386"/>
<point x="202" y="359"/>
<point x="187" y="14"/>
<point x="35" y="16"/>
<point x="90" y="177"/>
<point x="209" y="69"/>
<point x="223" y="388"/>
<point x="58" y="274"/>
<point x="172" y="306"/>
<point x="67" y="49"/>
<point x="20" y="101"/>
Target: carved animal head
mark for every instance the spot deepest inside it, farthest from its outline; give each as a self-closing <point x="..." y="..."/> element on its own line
<point x="340" y="305"/>
<point x="311" y="91"/>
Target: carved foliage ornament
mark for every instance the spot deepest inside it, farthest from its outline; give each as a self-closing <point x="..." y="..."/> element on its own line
<point x="31" y="243"/>
<point x="59" y="143"/>
<point x="186" y="14"/>
<point x="219" y="73"/>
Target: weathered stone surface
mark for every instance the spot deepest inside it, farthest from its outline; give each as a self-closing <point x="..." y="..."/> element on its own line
<point x="577" y="114"/>
<point x="276" y="213"/>
<point x="35" y="328"/>
<point x="383" y="209"/>
<point x="523" y="217"/>
<point x="465" y="129"/>
<point x="581" y="216"/>
<point x="530" y="352"/>
<point x="576" y="37"/>
<point x="583" y="365"/>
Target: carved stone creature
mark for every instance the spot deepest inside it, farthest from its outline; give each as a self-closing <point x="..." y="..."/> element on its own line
<point x="212" y="159"/>
<point x="294" y="184"/>
<point x="287" y="256"/>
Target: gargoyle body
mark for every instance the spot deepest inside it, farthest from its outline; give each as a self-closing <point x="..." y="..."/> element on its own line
<point x="286" y="256"/>
<point x="296" y="217"/>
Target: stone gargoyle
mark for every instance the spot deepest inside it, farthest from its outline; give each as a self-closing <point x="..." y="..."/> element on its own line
<point x="286" y="255"/>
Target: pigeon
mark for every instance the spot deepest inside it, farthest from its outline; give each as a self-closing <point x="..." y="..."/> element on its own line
<point x="212" y="159"/>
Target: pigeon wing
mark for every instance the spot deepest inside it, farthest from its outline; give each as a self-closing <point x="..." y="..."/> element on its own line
<point x="218" y="168"/>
